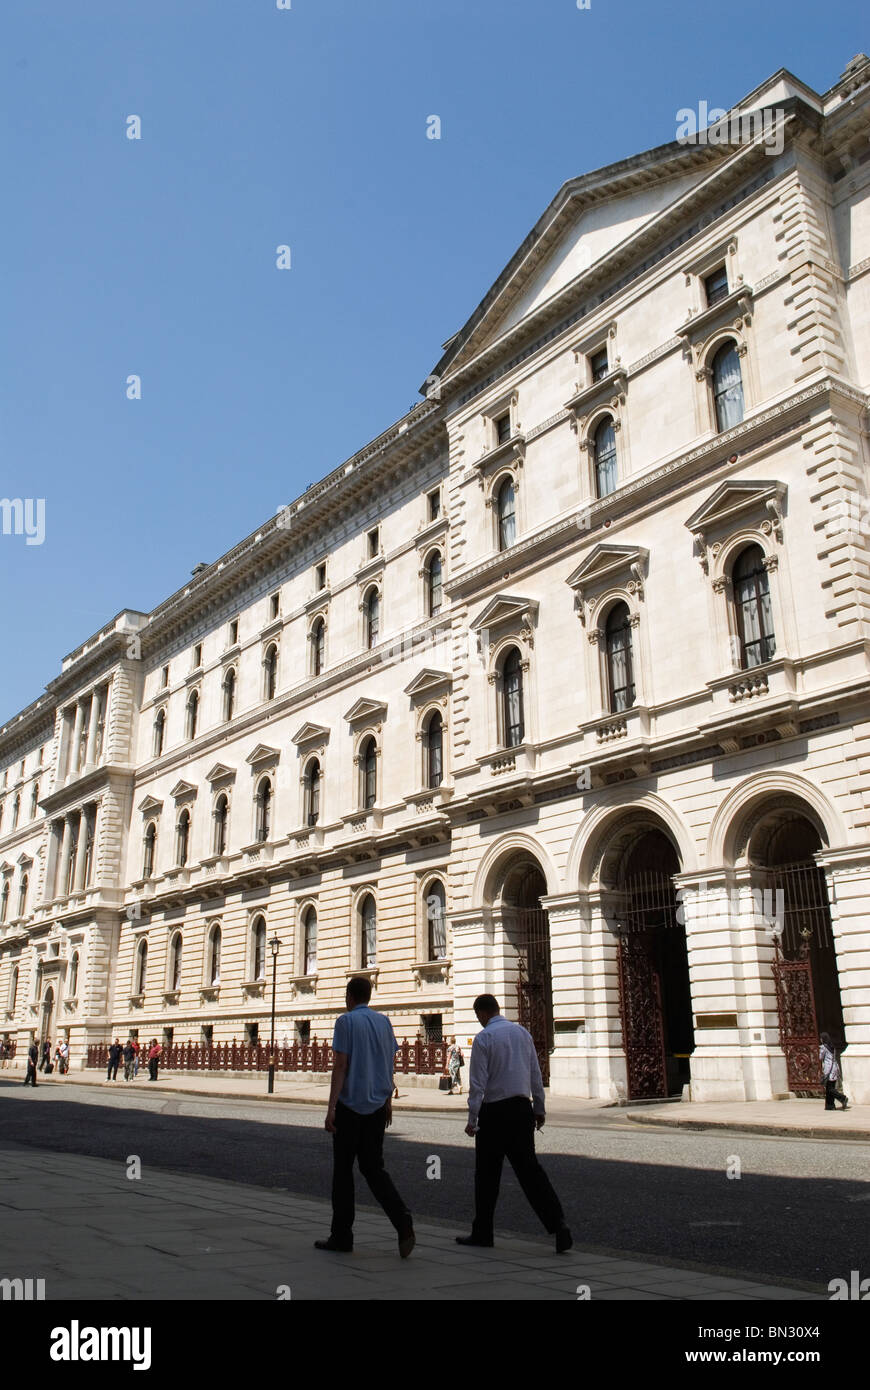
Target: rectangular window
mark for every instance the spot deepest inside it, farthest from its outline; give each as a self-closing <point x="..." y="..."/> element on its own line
<point x="197" y="655"/>
<point x="598" y="364"/>
<point x="164" y="677"/>
<point x="435" y="504"/>
<point x="168" y="1035"/>
<point x="274" y="605"/>
<point x="206" y="1034"/>
<point x="716" y="285"/>
<point x="433" y="1031"/>
<point x="321" y="577"/>
<point x="234" y="632"/>
<point x="502" y="429"/>
<point x="303" y="1031"/>
<point x="374" y="542"/>
<point x="252" y="1032"/>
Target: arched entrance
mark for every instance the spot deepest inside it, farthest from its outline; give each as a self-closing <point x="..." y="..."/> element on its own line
<point x="527" y="930"/>
<point x="47" y="1014"/>
<point x="792" y="893"/>
<point x="655" y="998"/>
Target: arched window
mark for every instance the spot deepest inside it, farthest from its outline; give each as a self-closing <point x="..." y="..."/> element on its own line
<point x="436" y="920"/>
<point x="368" y="774"/>
<point x="175" y="961"/>
<point x="372" y="617"/>
<point x="159" y="730"/>
<point x="213" y="974"/>
<point x="264" y="810"/>
<point x="141" y="968"/>
<point x="752" y="601"/>
<point x="513" y="717"/>
<point x="368" y="932"/>
<point x="434" y="585"/>
<point x="318" y="647"/>
<point x="506" y="509"/>
<point x="73" y="984"/>
<point x="34" y="801"/>
<point x="13" y="990"/>
<point x="192" y="714"/>
<point x="4" y="901"/>
<point x="312" y="792"/>
<point x="229" y="694"/>
<point x="182" y="844"/>
<point x="604" y="456"/>
<point x="433" y="746"/>
<point x="150" y="849"/>
<point x="16" y="811"/>
<point x="270" y="672"/>
<point x="620" y="667"/>
<point x="22" y="895"/>
<point x="221" y="815"/>
<point x="309" y="929"/>
<point x="727" y="387"/>
<point x="259" y="935"/>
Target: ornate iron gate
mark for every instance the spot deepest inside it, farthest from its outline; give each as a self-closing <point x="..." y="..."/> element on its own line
<point x="804" y="949"/>
<point x="646" y="906"/>
<point x="798" y="1030"/>
<point x="534" y="982"/>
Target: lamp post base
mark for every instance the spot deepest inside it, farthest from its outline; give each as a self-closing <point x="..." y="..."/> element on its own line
<point x="271" y="1086"/>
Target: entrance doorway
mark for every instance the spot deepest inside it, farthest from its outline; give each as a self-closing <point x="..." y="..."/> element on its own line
<point x="655" y="997"/>
<point x="805" y="961"/>
<point x="47" y="1015"/>
<point x="528" y="929"/>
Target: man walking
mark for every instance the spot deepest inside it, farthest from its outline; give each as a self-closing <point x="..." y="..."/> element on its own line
<point x="129" y="1058"/>
<point x="504" y="1071"/>
<point x="360" y="1108"/>
<point x="114" y="1060"/>
<point x="32" y="1059"/>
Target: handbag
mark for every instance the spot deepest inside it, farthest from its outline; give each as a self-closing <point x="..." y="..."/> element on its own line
<point x="444" y="1083"/>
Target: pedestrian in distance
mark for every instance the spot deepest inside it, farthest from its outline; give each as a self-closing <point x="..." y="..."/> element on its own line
<point x="63" y="1064"/>
<point x="154" y="1052"/>
<point x="831" y="1074"/>
<point x="129" y="1058"/>
<point x="4" y="1053"/>
<point x="502" y="1120"/>
<point x="136" y="1056"/>
<point x="364" y="1050"/>
<point x="32" y="1059"/>
<point x="455" y="1063"/>
<point x="114" y="1060"/>
<point x="45" y="1060"/>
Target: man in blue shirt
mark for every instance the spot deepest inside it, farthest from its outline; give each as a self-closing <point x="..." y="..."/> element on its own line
<point x="364" y="1048"/>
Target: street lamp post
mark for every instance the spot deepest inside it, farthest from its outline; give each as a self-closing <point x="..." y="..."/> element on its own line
<point x="275" y="946"/>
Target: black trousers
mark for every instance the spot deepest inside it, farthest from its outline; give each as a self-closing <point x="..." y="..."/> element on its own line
<point x="30" y="1074"/>
<point x="152" y="1068"/>
<point x="112" y="1073"/>
<point x="361" y="1138"/>
<point x="832" y="1095"/>
<point x="507" y="1131"/>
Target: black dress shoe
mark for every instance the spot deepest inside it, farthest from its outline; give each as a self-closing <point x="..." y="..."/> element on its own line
<point x="473" y="1240"/>
<point x="564" y="1240"/>
<point x="333" y="1244"/>
<point x="407" y="1241"/>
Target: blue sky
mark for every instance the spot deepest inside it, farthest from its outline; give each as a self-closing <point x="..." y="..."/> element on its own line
<point x="304" y="127"/>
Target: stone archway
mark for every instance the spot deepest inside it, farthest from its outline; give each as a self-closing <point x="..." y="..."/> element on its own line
<point x="520" y="884"/>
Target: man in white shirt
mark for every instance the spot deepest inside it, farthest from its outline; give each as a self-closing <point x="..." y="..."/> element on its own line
<point x="504" y="1071"/>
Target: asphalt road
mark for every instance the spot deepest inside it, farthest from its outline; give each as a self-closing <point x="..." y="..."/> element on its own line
<point x="797" y="1214"/>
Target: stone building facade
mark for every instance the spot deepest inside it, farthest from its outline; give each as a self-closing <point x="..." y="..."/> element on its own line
<point x="558" y="688"/>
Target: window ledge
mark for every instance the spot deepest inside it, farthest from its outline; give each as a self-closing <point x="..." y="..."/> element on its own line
<point x="513" y="449"/>
<point x="254" y="989"/>
<point x="307" y="984"/>
<point x="136" y="1001"/>
<point x="739" y="301"/>
<point x="431" y="971"/>
<point x="368" y="972"/>
<point x="209" y="993"/>
<point x="171" y="996"/>
<point x="318" y="600"/>
<point x="272" y="628"/>
<point x="615" y="384"/>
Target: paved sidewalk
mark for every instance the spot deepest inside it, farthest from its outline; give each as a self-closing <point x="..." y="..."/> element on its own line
<point x="807" y="1118"/>
<point x="91" y="1232"/>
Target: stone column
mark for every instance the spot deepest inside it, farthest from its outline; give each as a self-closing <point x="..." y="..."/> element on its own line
<point x="75" y="762"/>
<point x="847" y="872"/>
<point x="607" y="1069"/>
<point x="92" y="730"/>
<point x="54" y="841"/>
<point x="81" y="841"/>
<point x="471" y="934"/>
<point x="65" y="855"/>
<point x="91" y="812"/>
<point x="568" y="916"/>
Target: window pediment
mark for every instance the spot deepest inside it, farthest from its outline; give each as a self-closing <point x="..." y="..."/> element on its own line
<point x="220" y="773"/>
<point x="150" y="806"/>
<point x="605" y="564"/>
<point x="183" y="791"/>
<point x="733" y="499"/>
<point x="309" y="733"/>
<point x="734" y="310"/>
<point x="366" y="709"/>
<point x="426" y="682"/>
<point x="262" y="754"/>
<point x="505" y="609"/>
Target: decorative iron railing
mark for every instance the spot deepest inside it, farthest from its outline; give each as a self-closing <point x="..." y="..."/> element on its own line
<point x="414" y="1056"/>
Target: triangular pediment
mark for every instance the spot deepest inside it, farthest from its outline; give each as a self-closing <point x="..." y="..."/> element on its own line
<point x="6" y="867"/>
<point x="366" y="708"/>
<point x="263" y="754"/>
<point x="309" y="733"/>
<point x="733" y="498"/>
<point x="24" y="861"/>
<point x="220" y="773"/>
<point x="604" y="563"/>
<point x="427" y="680"/>
<point x="503" y="609"/>
<point x="182" y="789"/>
<point x="150" y="806"/>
